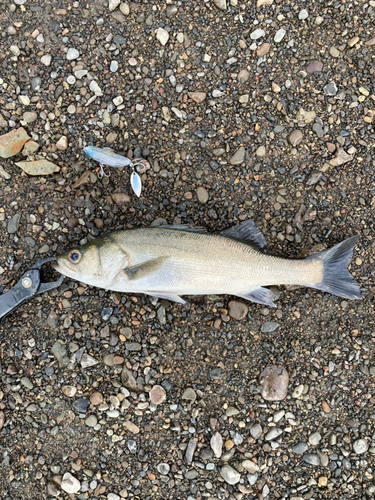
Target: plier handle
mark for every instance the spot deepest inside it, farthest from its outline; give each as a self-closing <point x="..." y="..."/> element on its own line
<point x="27" y="287"/>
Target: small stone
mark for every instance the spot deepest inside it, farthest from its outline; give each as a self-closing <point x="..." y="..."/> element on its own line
<point x="94" y="87"/>
<point x="312" y="459"/>
<point x="256" y="431"/>
<point x="298" y="391"/>
<point x="260" y="3"/>
<point x="15" y="50"/>
<point x="2" y="419"/>
<point x="24" y="99"/>
<point x="216" y="443"/>
<point x="162" y="35"/>
<point x="314" y="66"/>
<point x="62" y="143"/>
<point x="202" y="194"/>
<point x="334" y="52"/>
<point x="274" y="433"/>
<point x="244" y="99"/>
<point x="269" y="326"/>
<point x="303" y="14"/>
<point x="197" y="97"/>
<point x="230" y="475"/>
<point x="238" y="157"/>
<point x="237" y="310"/>
<point x="46" y="59"/>
<point x="250" y="466"/>
<point x="330" y="89"/>
<point x="353" y="41"/>
<point x="87" y="361"/>
<point x="30" y="148"/>
<point x="315" y="438"/>
<point x="38" y="167"/>
<point x="300" y="448"/>
<point x="91" y="421"/>
<point x="163" y="468"/>
<point x="279" y="35"/>
<point x="72" y="54"/>
<point x="96" y="398"/>
<point x="261" y="151"/>
<point x="318" y="129"/>
<point x="243" y="76"/>
<point x="12" y="142"/>
<point x="220" y="4"/>
<point x="258" y="33"/>
<point x="274" y="381"/>
<point x="133" y="428"/>
<point x="121" y="199"/>
<point x="322" y="481"/>
<point x="114" y="66"/>
<point x="70" y="484"/>
<point x="189" y="454"/>
<point x="295" y="138"/>
<point x="13" y="224"/>
<point x="29" y="116"/>
<point x="306" y="116"/>
<point x="189" y="394"/>
<point x="81" y="405"/>
<point x="157" y="395"/>
<point x="263" y="49"/>
<point x="341" y="158"/>
<point x="124" y="9"/>
<point x="69" y="391"/>
<point x="113" y="4"/>
<point x="60" y="353"/>
<point x="360" y="446"/>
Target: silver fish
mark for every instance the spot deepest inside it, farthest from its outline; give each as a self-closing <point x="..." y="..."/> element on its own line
<point x="170" y="261"/>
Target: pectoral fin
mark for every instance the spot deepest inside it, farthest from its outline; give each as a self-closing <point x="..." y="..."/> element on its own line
<point x="145" y="269"/>
<point x="260" y="296"/>
<point x="167" y="296"/>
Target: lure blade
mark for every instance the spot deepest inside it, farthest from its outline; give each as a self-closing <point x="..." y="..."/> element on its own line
<point x="107" y="157"/>
<point x="136" y="183"/>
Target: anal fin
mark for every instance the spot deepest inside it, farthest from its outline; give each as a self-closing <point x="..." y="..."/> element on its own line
<point x="168" y="296"/>
<point x="146" y="268"/>
<point x="260" y="296"/>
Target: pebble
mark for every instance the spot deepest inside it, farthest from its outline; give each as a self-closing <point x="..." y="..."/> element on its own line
<point x="220" y="4"/>
<point x="157" y="395"/>
<point x="81" y="405"/>
<point x="298" y="391"/>
<point x="216" y="444"/>
<point x="258" y="33"/>
<point x="300" y="448"/>
<point x="314" y="66"/>
<point x="190" y="450"/>
<point x="202" y="195"/>
<point x="189" y="394"/>
<point x="162" y="35"/>
<point x="303" y="14"/>
<point x="315" y="438"/>
<point x="197" y="97"/>
<point x="15" y="50"/>
<point x="295" y="138"/>
<point x="13" y="224"/>
<point x="114" y="66"/>
<point x="237" y="310"/>
<point x="250" y="466"/>
<point x="256" y="431"/>
<point x="60" y="353"/>
<point x="163" y="468"/>
<point x="29" y="116"/>
<point x="38" y="167"/>
<point x="263" y="49"/>
<point x="70" y="484"/>
<point x="91" y="421"/>
<point x="334" y="52"/>
<point x="36" y="83"/>
<point x="330" y="89"/>
<point x="46" y="59"/>
<point x="2" y="419"/>
<point x="72" y="54"/>
<point x="62" y="143"/>
<point x="261" y="151"/>
<point x="269" y="327"/>
<point x="274" y="433"/>
<point x="96" y="398"/>
<point x="243" y="77"/>
<point x="124" y="9"/>
<point x="360" y="446"/>
<point x="113" y="4"/>
<point x="230" y="475"/>
<point x="12" y="142"/>
<point x="133" y="428"/>
<point x="279" y="35"/>
<point x="239" y="156"/>
<point x="312" y="459"/>
<point x="69" y="390"/>
<point x="121" y="199"/>
<point x="274" y="381"/>
<point x="30" y="148"/>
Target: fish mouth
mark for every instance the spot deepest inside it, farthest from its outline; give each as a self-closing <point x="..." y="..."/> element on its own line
<point x="60" y="268"/>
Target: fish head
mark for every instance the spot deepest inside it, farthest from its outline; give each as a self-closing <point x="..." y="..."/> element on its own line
<point x="96" y="263"/>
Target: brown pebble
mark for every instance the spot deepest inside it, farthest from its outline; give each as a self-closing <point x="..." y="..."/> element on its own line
<point x="118" y="360"/>
<point x="237" y="310"/>
<point x="295" y="138"/>
<point x="274" y="381"/>
<point x="72" y="223"/>
<point x="120" y="199"/>
<point x="188" y="195"/>
<point x="331" y="147"/>
<point x="263" y="49"/>
<point x="99" y="223"/>
<point x="157" y="395"/>
<point x="2" y="419"/>
<point x="326" y="407"/>
<point x="96" y="398"/>
<point x="314" y="66"/>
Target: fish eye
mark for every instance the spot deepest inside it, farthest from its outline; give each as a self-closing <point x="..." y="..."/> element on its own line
<point x="75" y="256"/>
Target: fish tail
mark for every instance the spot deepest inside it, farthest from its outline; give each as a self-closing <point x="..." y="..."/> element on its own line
<point x="337" y="279"/>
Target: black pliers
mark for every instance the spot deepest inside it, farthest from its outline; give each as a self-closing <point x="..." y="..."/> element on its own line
<point x="29" y="285"/>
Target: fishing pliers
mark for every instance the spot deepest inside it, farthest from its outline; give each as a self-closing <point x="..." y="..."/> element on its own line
<point x="27" y="287"/>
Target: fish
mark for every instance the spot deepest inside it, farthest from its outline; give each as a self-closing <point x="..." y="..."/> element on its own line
<point x="169" y="262"/>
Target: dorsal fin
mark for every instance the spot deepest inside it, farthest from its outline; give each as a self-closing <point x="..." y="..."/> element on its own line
<point x="182" y="227"/>
<point x="248" y="233"/>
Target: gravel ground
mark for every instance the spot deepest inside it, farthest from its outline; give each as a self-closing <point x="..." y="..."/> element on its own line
<point x="242" y="111"/>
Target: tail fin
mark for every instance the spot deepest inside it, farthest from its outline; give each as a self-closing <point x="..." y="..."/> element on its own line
<point x="337" y="280"/>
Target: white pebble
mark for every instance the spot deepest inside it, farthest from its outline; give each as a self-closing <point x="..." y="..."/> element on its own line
<point x="72" y="54"/>
<point x="114" y="66"/>
<point x="46" y="59"/>
<point x="71" y="80"/>
<point x="70" y="484"/>
<point x="94" y="87"/>
<point x="118" y="100"/>
<point x="15" y="50"/>
<point x="113" y="4"/>
<point x="303" y="15"/>
<point x="279" y="35"/>
<point x="162" y="35"/>
<point x="40" y="38"/>
<point x="258" y="33"/>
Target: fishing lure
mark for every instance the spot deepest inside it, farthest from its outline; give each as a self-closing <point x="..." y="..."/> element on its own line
<point x="105" y="156"/>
